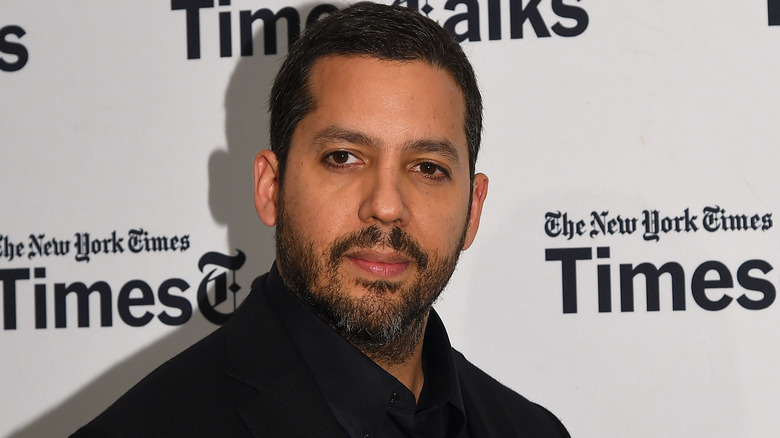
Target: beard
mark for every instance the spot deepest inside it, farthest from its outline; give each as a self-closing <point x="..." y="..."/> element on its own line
<point x="388" y="321"/>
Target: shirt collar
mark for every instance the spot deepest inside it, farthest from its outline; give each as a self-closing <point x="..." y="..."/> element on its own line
<point x="361" y="394"/>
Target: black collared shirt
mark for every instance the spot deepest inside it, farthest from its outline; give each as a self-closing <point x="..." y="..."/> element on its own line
<point x="365" y="399"/>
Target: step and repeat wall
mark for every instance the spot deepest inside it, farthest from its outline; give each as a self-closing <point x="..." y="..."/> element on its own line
<point x="624" y="273"/>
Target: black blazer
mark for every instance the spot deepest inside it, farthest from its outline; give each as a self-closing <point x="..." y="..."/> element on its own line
<point x="247" y="380"/>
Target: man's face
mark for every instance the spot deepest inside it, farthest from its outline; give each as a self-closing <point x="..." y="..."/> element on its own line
<point x="374" y="206"/>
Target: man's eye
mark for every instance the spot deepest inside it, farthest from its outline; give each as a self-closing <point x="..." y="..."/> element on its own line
<point x="428" y="168"/>
<point x="340" y="158"/>
<point x="431" y="170"/>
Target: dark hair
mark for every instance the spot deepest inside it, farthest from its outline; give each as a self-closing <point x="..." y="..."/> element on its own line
<point x="370" y="29"/>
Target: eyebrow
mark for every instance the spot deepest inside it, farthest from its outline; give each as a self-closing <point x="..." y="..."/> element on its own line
<point x="335" y="134"/>
<point x="439" y="146"/>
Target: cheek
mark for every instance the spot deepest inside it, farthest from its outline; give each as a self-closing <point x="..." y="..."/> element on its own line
<point x="441" y="224"/>
<point x="319" y="213"/>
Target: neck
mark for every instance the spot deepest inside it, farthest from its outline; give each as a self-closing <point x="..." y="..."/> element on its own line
<point x="403" y="360"/>
<point x="409" y="372"/>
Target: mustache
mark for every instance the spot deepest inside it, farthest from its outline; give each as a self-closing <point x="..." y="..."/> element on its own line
<point x="373" y="236"/>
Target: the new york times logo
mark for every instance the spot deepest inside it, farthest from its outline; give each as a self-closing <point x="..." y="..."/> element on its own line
<point x="527" y="18"/>
<point x="137" y="302"/>
<point x="712" y="283"/>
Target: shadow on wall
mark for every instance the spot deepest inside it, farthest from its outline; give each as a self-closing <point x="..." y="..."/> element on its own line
<point x="231" y="204"/>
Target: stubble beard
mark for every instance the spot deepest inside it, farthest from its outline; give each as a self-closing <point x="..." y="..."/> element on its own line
<point x="388" y="321"/>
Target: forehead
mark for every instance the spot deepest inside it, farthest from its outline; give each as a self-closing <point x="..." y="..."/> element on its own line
<point x="391" y="99"/>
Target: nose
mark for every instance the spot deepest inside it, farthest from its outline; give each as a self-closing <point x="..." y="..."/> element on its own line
<point x="384" y="200"/>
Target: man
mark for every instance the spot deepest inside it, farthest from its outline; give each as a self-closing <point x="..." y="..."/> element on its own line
<point x="371" y="184"/>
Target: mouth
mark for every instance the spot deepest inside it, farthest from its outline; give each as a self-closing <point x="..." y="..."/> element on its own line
<point x="384" y="264"/>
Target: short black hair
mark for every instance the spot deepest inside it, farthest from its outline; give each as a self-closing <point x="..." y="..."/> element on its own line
<point x="369" y="29"/>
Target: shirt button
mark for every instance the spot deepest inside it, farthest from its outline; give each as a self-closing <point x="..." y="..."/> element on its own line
<point x="394" y="397"/>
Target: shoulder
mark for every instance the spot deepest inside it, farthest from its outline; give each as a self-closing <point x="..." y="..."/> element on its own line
<point x="193" y="391"/>
<point x="181" y="392"/>
<point x="493" y="409"/>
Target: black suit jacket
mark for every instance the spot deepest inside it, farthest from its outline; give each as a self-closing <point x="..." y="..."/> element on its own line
<point x="247" y="380"/>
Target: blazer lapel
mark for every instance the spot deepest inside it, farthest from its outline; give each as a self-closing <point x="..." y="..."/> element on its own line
<point x="288" y="402"/>
<point x="290" y="407"/>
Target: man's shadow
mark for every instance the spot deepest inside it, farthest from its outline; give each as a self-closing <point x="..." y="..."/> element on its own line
<point x="231" y="203"/>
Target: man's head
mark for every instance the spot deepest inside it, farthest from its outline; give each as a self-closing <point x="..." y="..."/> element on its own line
<point x="378" y="196"/>
<point x="369" y="29"/>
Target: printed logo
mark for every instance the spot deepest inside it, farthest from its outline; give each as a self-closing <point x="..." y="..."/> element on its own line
<point x="711" y="282"/>
<point x="137" y="302"/>
<point x="246" y="20"/>
<point x="13" y="54"/>
<point x="540" y="18"/>
<point x="220" y="283"/>
<point x="564" y="19"/>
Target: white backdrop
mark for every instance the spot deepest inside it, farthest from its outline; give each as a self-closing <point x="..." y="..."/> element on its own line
<point x="108" y="129"/>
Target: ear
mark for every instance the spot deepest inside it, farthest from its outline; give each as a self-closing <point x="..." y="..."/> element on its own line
<point x="478" y="196"/>
<point x="266" y="177"/>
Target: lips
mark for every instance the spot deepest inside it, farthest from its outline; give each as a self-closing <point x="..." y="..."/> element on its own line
<point x="380" y="264"/>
